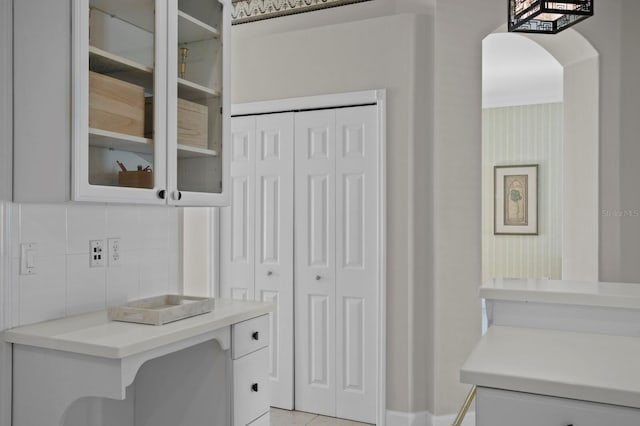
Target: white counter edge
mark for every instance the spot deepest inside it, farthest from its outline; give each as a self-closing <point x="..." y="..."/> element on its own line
<point x="36" y="334"/>
<point x="601" y="294"/>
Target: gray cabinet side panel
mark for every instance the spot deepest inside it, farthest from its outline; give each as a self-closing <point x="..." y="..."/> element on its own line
<point x="6" y="102"/>
<point x="42" y="100"/>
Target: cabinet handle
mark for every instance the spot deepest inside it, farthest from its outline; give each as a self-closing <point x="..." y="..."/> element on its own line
<point x="318" y="277"/>
<point x="269" y="273"/>
<point x="254" y="387"/>
<point x="176" y="195"/>
<point x="179" y="195"/>
<point x="161" y="193"/>
<point x="255" y="335"/>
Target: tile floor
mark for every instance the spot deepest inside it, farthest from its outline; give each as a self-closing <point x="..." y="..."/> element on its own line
<point x="299" y="418"/>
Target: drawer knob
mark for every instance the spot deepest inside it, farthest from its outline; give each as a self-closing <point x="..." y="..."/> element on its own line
<point x="269" y="273"/>
<point x="255" y="335"/>
<point x="254" y="387"/>
<point x="318" y="277"/>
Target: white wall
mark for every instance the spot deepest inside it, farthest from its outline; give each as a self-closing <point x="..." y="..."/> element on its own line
<point x="391" y="52"/>
<point x="332" y="16"/>
<point x="197" y="251"/>
<point x="526" y="134"/>
<point x="630" y="144"/>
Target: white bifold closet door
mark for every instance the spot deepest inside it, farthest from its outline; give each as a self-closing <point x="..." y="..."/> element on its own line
<point x="257" y="234"/>
<point x="337" y="191"/>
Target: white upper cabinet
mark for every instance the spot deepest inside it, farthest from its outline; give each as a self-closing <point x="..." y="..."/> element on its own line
<point x="126" y="101"/>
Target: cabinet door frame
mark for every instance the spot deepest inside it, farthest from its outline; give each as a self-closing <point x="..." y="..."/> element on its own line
<point x="81" y="189"/>
<point x="187" y="198"/>
<point x="370" y="97"/>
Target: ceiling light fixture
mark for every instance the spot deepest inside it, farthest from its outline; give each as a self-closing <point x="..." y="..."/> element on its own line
<point x="547" y="17"/>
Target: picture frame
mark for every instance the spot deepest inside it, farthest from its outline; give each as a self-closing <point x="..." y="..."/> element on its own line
<point x="515" y="200"/>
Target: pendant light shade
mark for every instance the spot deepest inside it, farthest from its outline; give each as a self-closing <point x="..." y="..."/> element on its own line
<point x="547" y="17"/>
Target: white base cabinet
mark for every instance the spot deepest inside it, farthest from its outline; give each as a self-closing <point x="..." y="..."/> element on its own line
<point x="87" y="370"/>
<point x="250" y="353"/>
<point x="496" y="407"/>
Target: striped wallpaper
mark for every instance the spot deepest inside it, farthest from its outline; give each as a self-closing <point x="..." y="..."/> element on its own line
<point x="528" y="134"/>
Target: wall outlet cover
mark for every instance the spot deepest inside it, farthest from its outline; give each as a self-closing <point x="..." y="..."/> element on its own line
<point x="96" y="253"/>
<point x="113" y="248"/>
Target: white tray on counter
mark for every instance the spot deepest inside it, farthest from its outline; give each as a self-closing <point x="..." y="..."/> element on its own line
<point x="161" y="309"/>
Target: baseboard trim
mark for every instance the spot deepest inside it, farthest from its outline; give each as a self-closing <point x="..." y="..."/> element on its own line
<point x="401" y="418"/>
<point x="424" y="418"/>
<point x="469" y="420"/>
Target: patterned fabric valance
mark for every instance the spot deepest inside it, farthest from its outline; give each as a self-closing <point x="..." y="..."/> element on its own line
<point x="253" y="10"/>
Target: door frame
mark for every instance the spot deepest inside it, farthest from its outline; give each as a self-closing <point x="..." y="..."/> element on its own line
<point x="338" y="100"/>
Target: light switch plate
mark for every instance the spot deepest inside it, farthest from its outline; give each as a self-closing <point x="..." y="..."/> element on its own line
<point x="28" y="254"/>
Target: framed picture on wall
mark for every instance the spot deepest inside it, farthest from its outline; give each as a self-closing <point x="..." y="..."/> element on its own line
<point x="516" y="200"/>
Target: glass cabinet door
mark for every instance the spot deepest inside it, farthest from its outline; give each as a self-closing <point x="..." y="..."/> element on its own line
<point x="197" y="101"/>
<point x="120" y="100"/>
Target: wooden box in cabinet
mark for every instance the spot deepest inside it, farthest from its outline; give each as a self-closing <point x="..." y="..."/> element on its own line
<point x="136" y="179"/>
<point x="192" y="124"/>
<point x="115" y="105"/>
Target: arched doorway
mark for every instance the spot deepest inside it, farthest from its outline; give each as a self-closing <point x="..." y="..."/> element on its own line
<point x="559" y="101"/>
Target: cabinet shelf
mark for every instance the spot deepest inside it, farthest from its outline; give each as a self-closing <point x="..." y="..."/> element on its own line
<point x="195" y="92"/>
<point x="120" y="141"/>
<point x="185" y="151"/>
<point x="191" y="29"/>
<point x="119" y="67"/>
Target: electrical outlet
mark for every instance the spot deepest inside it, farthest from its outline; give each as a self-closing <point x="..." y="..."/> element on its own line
<point x="96" y="253"/>
<point x="113" y="247"/>
<point x="28" y="252"/>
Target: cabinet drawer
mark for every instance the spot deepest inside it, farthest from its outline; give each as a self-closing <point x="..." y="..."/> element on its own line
<point x="250" y="387"/>
<point x="249" y="336"/>
<point x="506" y="408"/>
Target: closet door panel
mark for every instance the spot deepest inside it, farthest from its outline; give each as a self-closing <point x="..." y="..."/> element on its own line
<point x="356" y="251"/>
<point x="237" y="230"/>
<point x="274" y="245"/>
<point x="315" y="312"/>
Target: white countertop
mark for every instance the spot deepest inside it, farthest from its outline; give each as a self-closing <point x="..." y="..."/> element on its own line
<point x="604" y="294"/>
<point x="584" y="366"/>
<point x="94" y="334"/>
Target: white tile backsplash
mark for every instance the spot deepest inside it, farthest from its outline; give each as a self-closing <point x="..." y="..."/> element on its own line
<point x="84" y="223"/>
<point x="123" y="280"/>
<point x="15" y="230"/>
<point x="15" y="291"/>
<point x="154" y="272"/>
<point x="45" y="224"/>
<point x="124" y="222"/>
<point x="64" y="283"/>
<point x="43" y="296"/>
<point x="154" y="227"/>
<point x="86" y="287"/>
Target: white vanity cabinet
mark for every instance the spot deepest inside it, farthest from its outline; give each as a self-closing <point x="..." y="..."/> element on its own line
<point x="557" y="353"/>
<point x="121" y="101"/>
<point x="192" y="372"/>
<point x="496" y="407"/>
